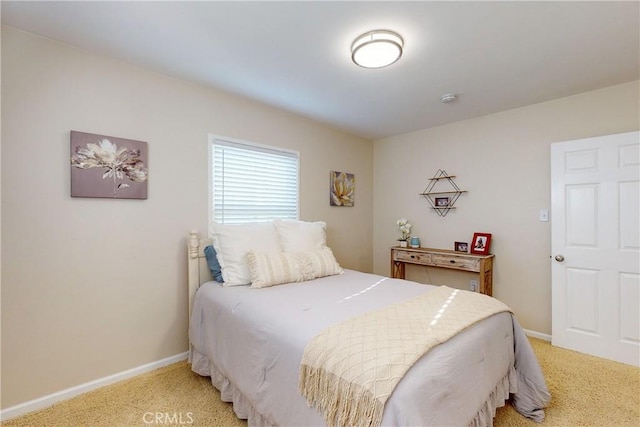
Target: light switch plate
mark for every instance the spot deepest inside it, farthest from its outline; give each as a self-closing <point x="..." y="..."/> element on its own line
<point x="544" y="215"/>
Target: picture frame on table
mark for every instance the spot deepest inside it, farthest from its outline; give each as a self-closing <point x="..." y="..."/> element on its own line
<point x="480" y="243"/>
<point x="461" y="247"/>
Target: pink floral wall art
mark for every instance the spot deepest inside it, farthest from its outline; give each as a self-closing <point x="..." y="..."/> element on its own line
<point x="108" y="167"/>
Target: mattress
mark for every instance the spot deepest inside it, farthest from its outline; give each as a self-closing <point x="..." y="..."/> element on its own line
<point x="251" y="342"/>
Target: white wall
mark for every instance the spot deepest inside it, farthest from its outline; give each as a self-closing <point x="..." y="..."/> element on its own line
<point x="503" y="161"/>
<point x="92" y="287"/>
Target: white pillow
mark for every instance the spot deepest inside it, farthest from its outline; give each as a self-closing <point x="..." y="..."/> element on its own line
<point x="233" y="241"/>
<point x="301" y="236"/>
<point x="269" y="269"/>
<point x="323" y="262"/>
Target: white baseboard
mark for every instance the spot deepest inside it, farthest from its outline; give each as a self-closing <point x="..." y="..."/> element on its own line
<point x="538" y="335"/>
<point x="46" y="401"/>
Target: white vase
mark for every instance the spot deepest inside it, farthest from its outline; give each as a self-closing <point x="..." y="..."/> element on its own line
<point x="403" y="243"/>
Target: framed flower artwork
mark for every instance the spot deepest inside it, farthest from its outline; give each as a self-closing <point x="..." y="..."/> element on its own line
<point x="342" y="188"/>
<point x="108" y="167"/>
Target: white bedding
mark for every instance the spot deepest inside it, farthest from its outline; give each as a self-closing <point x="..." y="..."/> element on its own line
<point x="251" y="341"/>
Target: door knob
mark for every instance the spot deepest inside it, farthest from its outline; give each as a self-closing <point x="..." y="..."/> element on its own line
<point x="559" y="258"/>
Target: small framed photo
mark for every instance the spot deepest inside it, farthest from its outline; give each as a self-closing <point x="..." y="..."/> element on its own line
<point x="442" y="202"/>
<point x="461" y="247"/>
<point x="480" y="243"/>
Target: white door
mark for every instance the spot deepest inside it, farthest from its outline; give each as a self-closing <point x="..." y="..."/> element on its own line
<point x="595" y="244"/>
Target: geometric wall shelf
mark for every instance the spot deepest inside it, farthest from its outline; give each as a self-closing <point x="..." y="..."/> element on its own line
<point x="442" y="192"/>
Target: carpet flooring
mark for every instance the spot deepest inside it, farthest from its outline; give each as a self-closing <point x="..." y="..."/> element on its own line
<point x="586" y="391"/>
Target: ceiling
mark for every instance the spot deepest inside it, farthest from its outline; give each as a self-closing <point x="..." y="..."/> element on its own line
<point x="295" y="55"/>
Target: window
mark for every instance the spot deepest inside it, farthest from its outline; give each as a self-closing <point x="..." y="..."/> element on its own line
<point x="250" y="182"/>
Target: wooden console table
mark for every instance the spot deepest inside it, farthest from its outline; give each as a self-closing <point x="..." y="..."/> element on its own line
<point x="441" y="258"/>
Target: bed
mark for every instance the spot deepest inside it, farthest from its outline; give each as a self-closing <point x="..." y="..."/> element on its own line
<point x="251" y="343"/>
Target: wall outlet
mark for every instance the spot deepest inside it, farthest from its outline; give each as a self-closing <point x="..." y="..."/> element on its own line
<point x="473" y="285"/>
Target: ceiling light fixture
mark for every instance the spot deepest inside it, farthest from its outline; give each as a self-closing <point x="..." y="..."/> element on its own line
<point x="377" y="49"/>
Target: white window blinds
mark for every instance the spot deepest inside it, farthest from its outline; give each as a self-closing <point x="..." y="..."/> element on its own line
<point x="252" y="183"/>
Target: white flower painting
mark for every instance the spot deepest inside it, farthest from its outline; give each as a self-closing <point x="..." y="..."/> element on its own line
<point x="342" y="190"/>
<point x="104" y="166"/>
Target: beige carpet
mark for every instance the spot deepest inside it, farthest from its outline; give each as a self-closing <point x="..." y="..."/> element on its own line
<point x="587" y="391"/>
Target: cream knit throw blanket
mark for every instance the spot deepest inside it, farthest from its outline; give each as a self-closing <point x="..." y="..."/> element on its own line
<point x="349" y="370"/>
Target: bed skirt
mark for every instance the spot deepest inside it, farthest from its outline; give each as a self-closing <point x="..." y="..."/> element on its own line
<point x="245" y="411"/>
<point x="228" y="392"/>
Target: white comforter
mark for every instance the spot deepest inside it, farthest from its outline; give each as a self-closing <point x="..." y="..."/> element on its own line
<point x="251" y="341"/>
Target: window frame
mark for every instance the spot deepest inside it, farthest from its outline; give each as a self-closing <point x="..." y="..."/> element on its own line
<point x="256" y="147"/>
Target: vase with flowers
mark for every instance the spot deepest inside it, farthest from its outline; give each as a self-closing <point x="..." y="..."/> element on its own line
<point x="405" y="230"/>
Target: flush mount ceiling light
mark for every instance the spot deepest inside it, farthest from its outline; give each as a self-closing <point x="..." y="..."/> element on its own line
<point x="377" y="49"/>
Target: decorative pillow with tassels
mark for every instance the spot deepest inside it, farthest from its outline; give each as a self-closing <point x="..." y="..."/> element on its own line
<point x="269" y="269"/>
